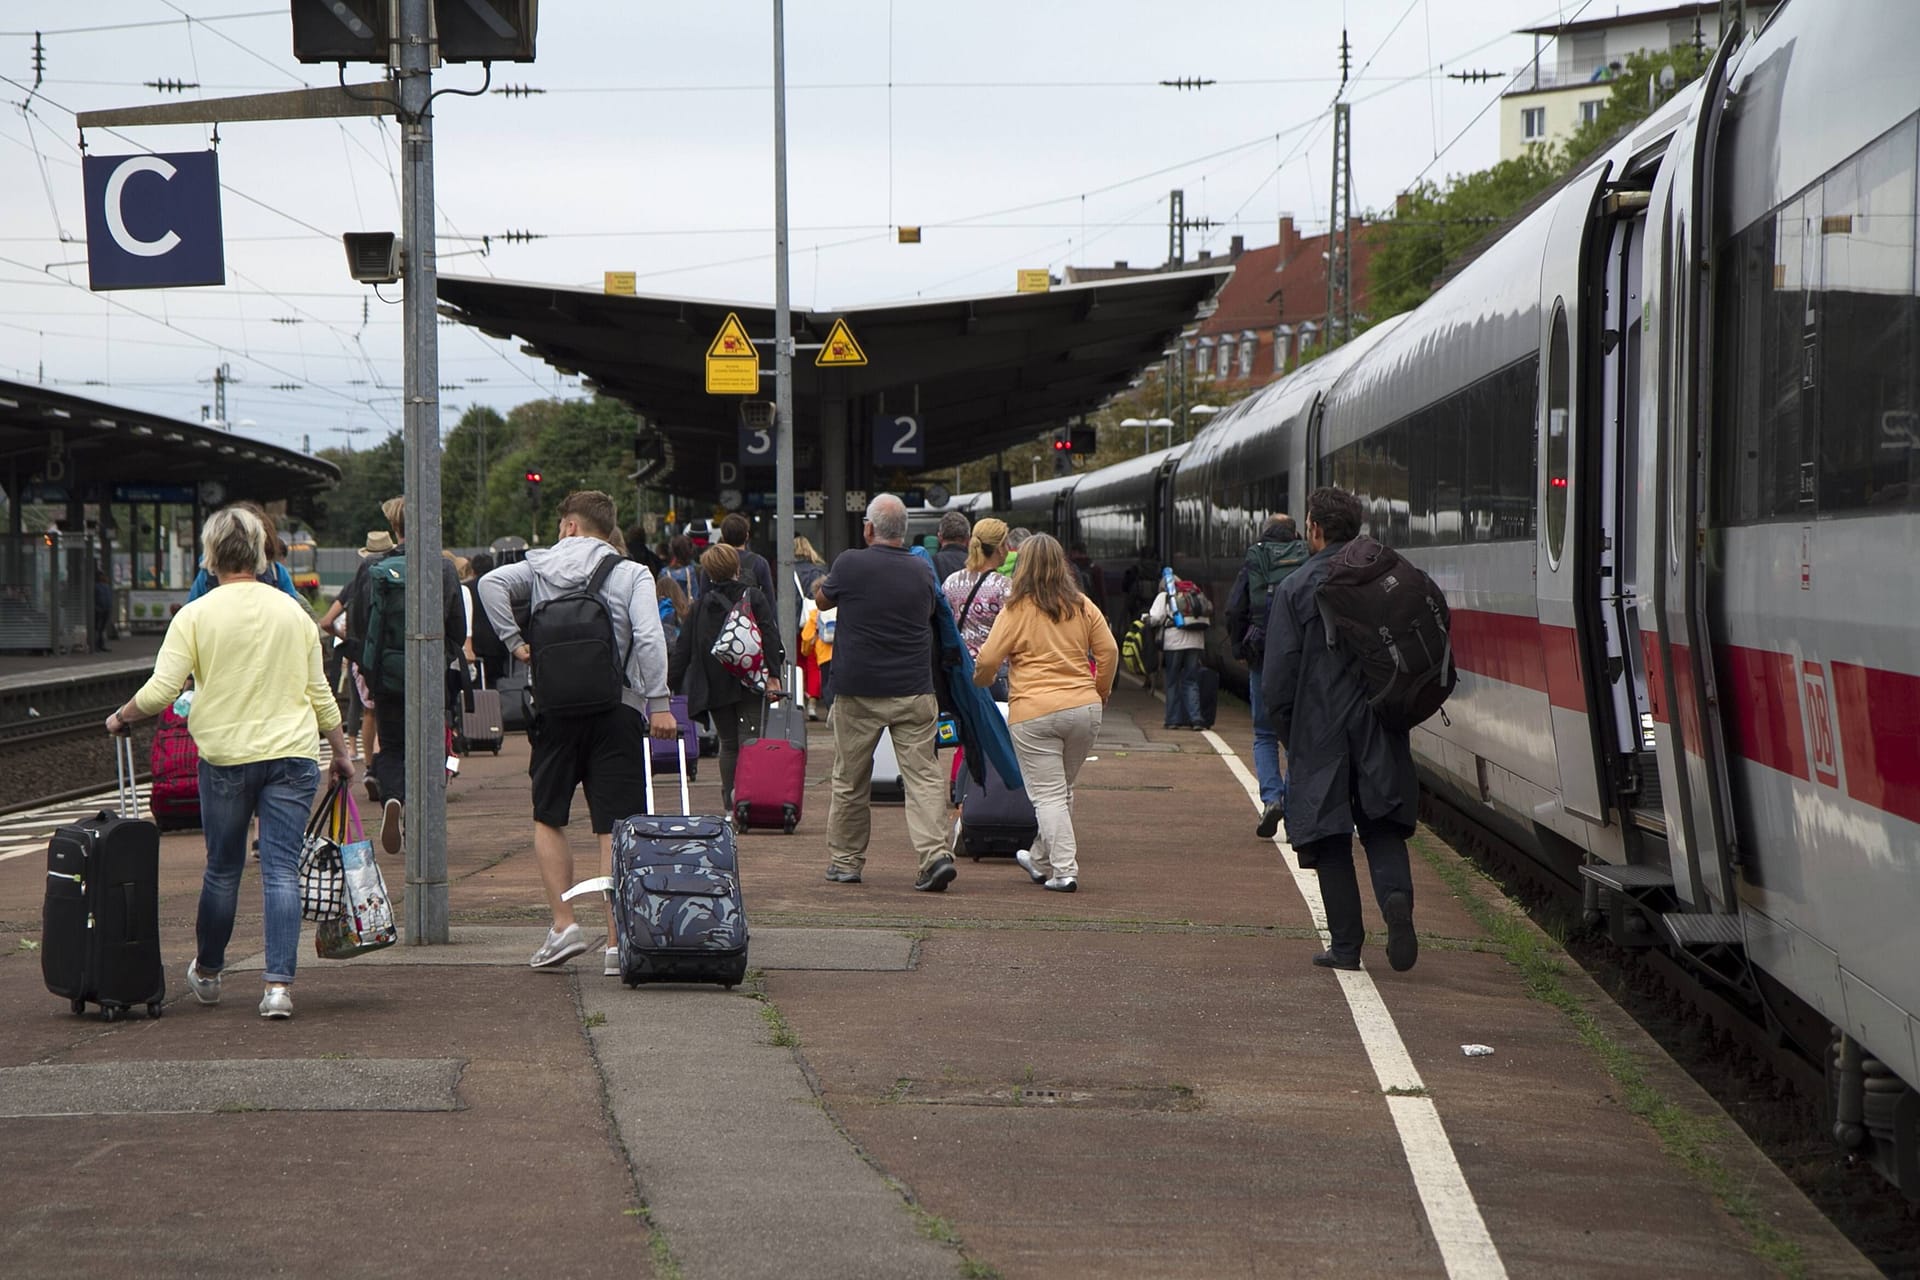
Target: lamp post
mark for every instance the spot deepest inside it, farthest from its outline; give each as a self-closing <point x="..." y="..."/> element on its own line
<point x="1148" y="424"/>
<point x="1198" y="411"/>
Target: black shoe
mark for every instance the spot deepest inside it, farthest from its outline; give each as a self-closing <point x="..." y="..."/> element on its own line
<point x="1270" y="821"/>
<point x="1403" y="945"/>
<point x="938" y="877"/>
<point x="1328" y="960"/>
<point x="840" y="876"/>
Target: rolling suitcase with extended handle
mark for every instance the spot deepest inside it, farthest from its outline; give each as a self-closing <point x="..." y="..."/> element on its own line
<point x="100" y="926"/>
<point x="771" y="774"/>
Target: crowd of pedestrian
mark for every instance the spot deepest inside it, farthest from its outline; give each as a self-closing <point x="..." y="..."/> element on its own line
<point x="999" y="632"/>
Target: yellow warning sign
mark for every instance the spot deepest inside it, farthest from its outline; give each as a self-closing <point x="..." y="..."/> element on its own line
<point x="623" y="283"/>
<point x="1032" y="281"/>
<point x="733" y="367"/>
<point x="840" y="348"/>
<point x="732" y="342"/>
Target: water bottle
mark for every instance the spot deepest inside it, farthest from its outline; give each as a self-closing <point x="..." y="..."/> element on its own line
<point x="183" y="704"/>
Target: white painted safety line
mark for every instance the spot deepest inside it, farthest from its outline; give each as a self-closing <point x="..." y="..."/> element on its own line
<point x="1453" y="1216"/>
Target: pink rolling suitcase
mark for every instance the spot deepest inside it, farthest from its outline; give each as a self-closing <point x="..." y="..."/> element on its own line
<point x="771" y="773"/>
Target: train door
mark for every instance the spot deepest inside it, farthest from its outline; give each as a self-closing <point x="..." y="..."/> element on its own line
<point x="1689" y="743"/>
<point x="1567" y="551"/>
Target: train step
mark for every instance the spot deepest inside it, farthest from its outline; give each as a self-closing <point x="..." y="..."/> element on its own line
<point x="1703" y="929"/>
<point x="1627" y="878"/>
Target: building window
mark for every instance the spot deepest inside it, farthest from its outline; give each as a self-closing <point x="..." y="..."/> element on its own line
<point x="1203" y="358"/>
<point x="1590" y="110"/>
<point x="1306" y="338"/>
<point x="1249" y="345"/>
<point x="1533" y="123"/>
<point x="1282" y="340"/>
<point x="1226" y="357"/>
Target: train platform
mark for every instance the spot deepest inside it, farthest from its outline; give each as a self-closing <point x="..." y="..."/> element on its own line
<point x="23" y="670"/>
<point x="1145" y="1078"/>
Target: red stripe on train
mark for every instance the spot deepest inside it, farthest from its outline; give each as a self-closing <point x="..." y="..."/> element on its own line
<point x="1879" y="714"/>
<point x="1763" y="690"/>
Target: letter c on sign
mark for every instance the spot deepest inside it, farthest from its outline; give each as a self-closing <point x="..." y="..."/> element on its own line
<point x="117" y="225"/>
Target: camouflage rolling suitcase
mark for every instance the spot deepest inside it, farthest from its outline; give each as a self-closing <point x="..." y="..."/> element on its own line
<point x="676" y="895"/>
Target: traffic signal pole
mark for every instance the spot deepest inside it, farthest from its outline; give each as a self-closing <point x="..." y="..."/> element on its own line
<point x="426" y="737"/>
<point x="785" y="586"/>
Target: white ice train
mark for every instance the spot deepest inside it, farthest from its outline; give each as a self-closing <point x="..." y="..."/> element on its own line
<point x="1660" y="443"/>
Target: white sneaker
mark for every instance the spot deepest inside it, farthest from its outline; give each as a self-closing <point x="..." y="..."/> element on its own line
<point x="560" y="947"/>
<point x="612" y="969"/>
<point x="205" y="990"/>
<point x="1025" y="859"/>
<point x="1063" y="884"/>
<point x="276" y="1003"/>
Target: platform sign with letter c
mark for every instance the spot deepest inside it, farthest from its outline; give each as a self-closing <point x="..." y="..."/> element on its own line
<point x="153" y="221"/>
<point x="899" y="441"/>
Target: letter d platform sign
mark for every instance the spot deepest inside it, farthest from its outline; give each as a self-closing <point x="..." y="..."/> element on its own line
<point x="153" y="221"/>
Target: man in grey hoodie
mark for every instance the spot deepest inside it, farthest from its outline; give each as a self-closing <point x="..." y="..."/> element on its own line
<point x="602" y="751"/>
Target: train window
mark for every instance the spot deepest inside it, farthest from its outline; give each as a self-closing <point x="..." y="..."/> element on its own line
<point x="1419" y="482"/>
<point x="1869" y="433"/>
<point x="1559" y="405"/>
<point x="1449" y="471"/>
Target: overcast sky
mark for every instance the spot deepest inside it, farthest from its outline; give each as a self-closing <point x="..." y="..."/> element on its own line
<point x="1017" y="133"/>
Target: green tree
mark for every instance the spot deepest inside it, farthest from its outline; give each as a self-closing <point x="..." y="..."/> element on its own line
<point x="1630" y="99"/>
<point x="343" y="516"/>
<point x="468" y="452"/>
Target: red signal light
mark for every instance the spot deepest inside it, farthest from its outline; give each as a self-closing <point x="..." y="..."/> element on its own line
<point x="1558" y="482"/>
<point x="533" y="477"/>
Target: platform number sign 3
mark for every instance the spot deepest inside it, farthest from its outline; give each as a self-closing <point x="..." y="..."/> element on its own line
<point x="899" y="441"/>
<point x="1826" y="757"/>
<point x="756" y="445"/>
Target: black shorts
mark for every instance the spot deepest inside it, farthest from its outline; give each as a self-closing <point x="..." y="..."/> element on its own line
<point x="600" y="752"/>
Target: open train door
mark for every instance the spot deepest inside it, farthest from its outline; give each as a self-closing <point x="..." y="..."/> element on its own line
<point x="1675" y="386"/>
<point x="1567" y="558"/>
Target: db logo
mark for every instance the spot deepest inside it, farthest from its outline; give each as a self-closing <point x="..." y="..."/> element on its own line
<point x="1826" y="760"/>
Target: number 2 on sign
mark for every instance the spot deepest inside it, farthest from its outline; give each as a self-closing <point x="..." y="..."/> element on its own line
<point x="897" y="441"/>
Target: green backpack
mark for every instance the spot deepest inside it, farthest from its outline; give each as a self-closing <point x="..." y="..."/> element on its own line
<point x="383" y="659"/>
<point x="1268" y="564"/>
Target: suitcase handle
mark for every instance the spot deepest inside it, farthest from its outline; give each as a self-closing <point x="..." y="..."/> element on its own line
<point x="127" y="795"/>
<point x="646" y="765"/>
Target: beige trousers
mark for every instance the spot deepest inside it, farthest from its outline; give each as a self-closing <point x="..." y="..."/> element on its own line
<point x="1051" y="749"/>
<point x="857" y="723"/>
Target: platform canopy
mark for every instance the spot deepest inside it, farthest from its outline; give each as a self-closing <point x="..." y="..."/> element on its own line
<point x="982" y="372"/>
<point x="56" y="447"/>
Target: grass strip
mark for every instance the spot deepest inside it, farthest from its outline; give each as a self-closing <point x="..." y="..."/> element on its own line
<point x="1687" y="1137"/>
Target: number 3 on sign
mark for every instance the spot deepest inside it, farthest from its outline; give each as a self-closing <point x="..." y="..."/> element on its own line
<point x="898" y="441"/>
<point x="756" y="446"/>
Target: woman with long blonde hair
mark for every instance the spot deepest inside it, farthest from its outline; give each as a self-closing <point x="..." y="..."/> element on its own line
<point x="1062" y="658"/>
<point x="977" y="593"/>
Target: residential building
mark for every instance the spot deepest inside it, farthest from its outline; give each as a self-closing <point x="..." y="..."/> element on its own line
<point x="1566" y="82"/>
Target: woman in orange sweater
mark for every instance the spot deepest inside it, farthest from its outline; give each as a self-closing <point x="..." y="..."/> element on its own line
<point x="1062" y="658"/>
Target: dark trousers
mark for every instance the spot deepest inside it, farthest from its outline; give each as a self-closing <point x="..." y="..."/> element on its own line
<point x="1340" y="885"/>
<point x="390" y="761"/>
<point x="728" y="723"/>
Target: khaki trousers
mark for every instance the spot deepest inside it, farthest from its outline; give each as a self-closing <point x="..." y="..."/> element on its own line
<point x="857" y="723"/>
<point x="1051" y="749"/>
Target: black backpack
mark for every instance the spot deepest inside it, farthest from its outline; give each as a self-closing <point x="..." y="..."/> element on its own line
<point x="577" y="666"/>
<point x="1393" y="624"/>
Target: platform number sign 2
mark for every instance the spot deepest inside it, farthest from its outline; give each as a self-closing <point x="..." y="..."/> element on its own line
<point x="1826" y="757"/>
<point x="899" y="441"/>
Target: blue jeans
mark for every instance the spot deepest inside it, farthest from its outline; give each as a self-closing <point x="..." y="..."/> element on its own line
<point x="280" y="792"/>
<point x="1183" y="687"/>
<point x="1266" y="745"/>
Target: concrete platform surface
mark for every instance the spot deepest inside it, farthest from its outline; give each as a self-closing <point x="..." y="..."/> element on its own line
<point x="1145" y="1078"/>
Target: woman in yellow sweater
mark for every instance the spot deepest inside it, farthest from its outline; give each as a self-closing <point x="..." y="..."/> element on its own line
<point x="1063" y="658"/>
<point x="260" y="705"/>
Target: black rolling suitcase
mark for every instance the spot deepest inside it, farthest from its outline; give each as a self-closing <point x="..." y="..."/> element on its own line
<point x="676" y="895"/>
<point x="994" y="818"/>
<point x="100" y="928"/>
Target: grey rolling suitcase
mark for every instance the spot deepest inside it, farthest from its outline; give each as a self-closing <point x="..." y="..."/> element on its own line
<point x="887" y="783"/>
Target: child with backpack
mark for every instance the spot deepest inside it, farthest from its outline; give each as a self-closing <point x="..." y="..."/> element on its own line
<point x="599" y="684"/>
